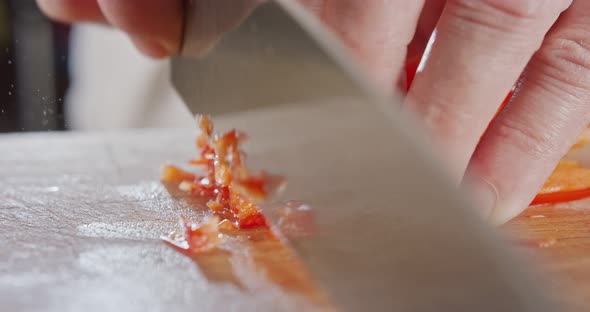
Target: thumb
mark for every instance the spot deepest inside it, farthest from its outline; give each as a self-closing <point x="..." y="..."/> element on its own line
<point x="155" y="26"/>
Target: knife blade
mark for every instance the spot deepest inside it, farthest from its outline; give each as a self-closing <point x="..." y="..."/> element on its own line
<point x="389" y="231"/>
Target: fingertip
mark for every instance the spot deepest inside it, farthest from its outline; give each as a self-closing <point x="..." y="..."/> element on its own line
<point x="485" y="195"/>
<point x="488" y="202"/>
<point x="497" y="188"/>
<point x="46" y="7"/>
<point x="152" y="48"/>
<point x="504" y="212"/>
<point x="155" y="26"/>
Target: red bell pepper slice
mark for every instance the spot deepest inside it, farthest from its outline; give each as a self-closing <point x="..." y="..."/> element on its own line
<point x="411" y="69"/>
<point x="569" y="181"/>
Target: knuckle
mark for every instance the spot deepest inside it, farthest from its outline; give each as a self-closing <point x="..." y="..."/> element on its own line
<point x="445" y="119"/>
<point x="508" y="16"/>
<point x="517" y="9"/>
<point x="566" y="58"/>
<point x="536" y="144"/>
<point x="487" y="13"/>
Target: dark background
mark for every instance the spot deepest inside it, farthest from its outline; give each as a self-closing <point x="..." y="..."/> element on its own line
<point x="33" y="69"/>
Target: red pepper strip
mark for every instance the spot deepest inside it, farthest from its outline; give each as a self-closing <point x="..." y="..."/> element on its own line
<point x="173" y="174"/>
<point x="560" y="197"/>
<point x="200" y="162"/>
<point x="506" y="99"/>
<point x="411" y="69"/>
<point x="568" y="182"/>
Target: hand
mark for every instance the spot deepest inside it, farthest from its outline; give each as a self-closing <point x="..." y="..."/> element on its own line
<point x="372" y="30"/>
<point x="154" y="26"/>
<point x="481" y="49"/>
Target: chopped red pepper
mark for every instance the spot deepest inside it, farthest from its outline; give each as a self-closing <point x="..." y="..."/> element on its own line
<point x="195" y="239"/>
<point x="173" y="174"/>
<point x="226" y="183"/>
<point x="569" y="182"/>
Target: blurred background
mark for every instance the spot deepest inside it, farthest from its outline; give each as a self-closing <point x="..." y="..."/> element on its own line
<point x="33" y="68"/>
<point x="56" y="77"/>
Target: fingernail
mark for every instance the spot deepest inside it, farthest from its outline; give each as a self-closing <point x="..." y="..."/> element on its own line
<point x="153" y="48"/>
<point x="485" y="196"/>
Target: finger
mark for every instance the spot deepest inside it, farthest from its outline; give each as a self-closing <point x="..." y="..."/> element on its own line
<point x="155" y="26"/>
<point x="481" y="47"/>
<point x="377" y="31"/>
<point x="69" y="11"/>
<point x="537" y="128"/>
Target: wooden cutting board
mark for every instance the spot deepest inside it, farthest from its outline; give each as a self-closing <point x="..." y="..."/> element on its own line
<point x="559" y="237"/>
<point x="81" y="215"/>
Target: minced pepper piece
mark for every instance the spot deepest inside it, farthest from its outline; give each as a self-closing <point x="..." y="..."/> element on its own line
<point x="231" y="190"/>
<point x="195" y="239"/>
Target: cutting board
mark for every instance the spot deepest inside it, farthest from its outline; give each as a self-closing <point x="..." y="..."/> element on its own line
<point x="81" y="215"/>
<point x="558" y="236"/>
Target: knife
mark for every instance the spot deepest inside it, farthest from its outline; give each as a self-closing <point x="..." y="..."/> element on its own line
<point x="391" y="233"/>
